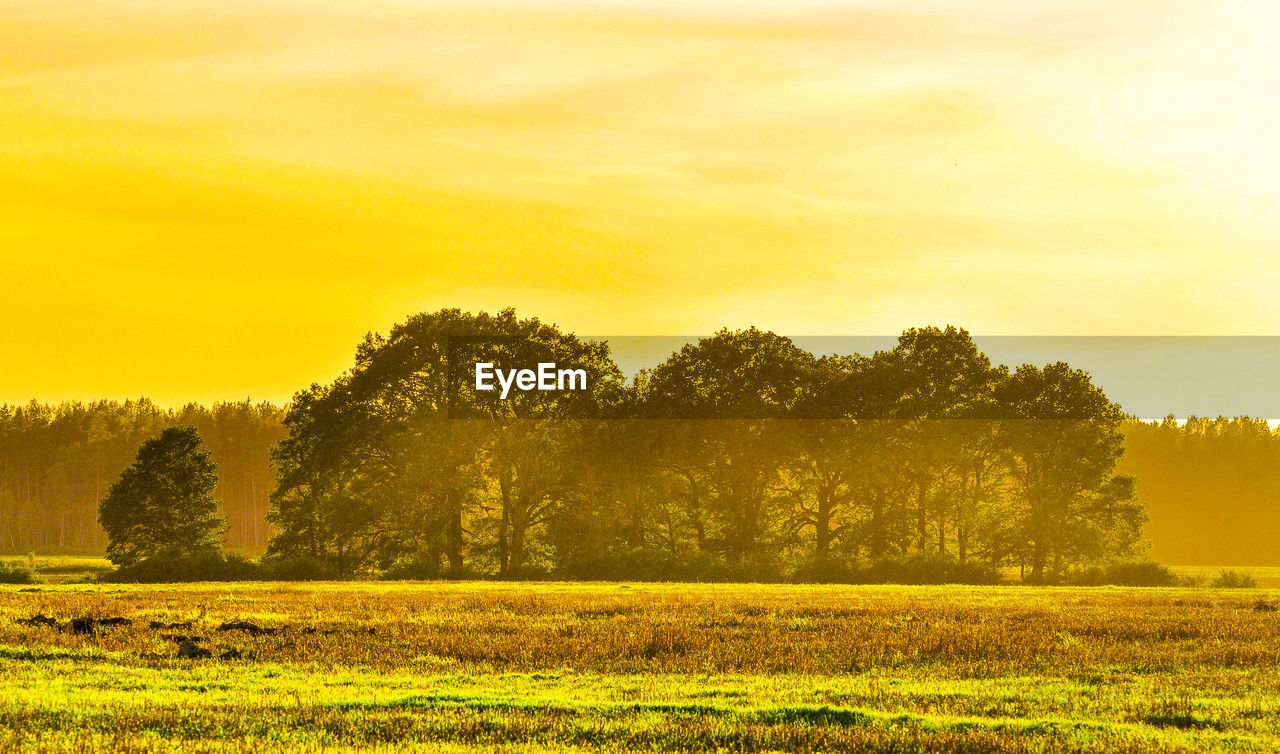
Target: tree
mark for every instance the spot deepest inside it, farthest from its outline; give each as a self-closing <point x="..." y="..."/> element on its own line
<point x="57" y="461"/>
<point x="842" y="471"/>
<point x="940" y="377"/>
<point x="731" y="394"/>
<point x="1063" y="444"/>
<point x="741" y="453"/>
<point x="164" y="501"/>
<point x="395" y="458"/>
<point x="531" y="454"/>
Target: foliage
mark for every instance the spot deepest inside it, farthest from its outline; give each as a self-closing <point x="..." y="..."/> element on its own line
<point x="740" y="453"/>
<point x="295" y="569"/>
<point x="1231" y="579"/>
<point x="170" y="566"/>
<point x="1126" y="574"/>
<point x="16" y="573"/>
<point x="912" y="569"/>
<point x="654" y="566"/>
<point x="741" y="456"/>
<point x="412" y="569"/>
<point x="164" y="502"/>
<point x="386" y="463"/>
<point x="1063" y="446"/>
<point x="56" y="462"/>
<point x="1210" y="485"/>
<point x="853" y="459"/>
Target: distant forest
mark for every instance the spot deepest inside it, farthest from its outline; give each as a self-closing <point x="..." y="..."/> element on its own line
<point x="57" y="462"/>
<point x="351" y="470"/>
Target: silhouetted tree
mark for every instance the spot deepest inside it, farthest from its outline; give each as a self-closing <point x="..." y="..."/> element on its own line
<point x="729" y="393"/>
<point x="392" y="459"/>
<point x="1063" y="443"/>
<point x="941" y="376"/>
<point x="164" y="501"/>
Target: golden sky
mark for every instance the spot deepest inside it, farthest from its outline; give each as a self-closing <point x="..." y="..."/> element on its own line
<point x="215" y="199"/>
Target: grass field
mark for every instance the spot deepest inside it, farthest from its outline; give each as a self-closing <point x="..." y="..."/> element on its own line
<point x="643" y="666"/>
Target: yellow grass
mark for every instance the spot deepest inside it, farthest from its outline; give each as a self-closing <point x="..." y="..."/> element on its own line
<point x="626" y="666"/>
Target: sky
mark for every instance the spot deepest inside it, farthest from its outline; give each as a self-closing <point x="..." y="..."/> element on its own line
<point x="215" y="199"/>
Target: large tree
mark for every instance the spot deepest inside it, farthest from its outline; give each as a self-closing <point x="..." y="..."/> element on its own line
<point x="729" y="395"/>
<point x="844" y="475"/>
<point x="1063" y="441"/>
<point x="402" y="456"/>
<point x="164" y="501"/>
<point x="941" y="382"/>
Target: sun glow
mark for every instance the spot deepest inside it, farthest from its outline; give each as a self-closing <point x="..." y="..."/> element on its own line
<point x="213" y="199"/>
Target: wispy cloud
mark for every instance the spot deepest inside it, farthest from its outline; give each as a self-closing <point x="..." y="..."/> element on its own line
<point x="215" y="175"/>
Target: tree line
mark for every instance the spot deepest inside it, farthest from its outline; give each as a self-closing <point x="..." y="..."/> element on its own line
<point x="741" y="455"/>
<point x="58" y="461"/>
<point x="1212" y="485"/>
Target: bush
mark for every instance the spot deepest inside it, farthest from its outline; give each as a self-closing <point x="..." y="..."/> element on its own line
<point x="628" y="565"/>
<point x="171" y="567"/>
<point x="918" y="569"/>
<point x="831" y="572"/>
<point x="296" y="569"/>
<point x="1144" y="573"/>
<point x="15" y="573"/>
<point x="1230" y="579"/>
<point x="659" y="565"/>
<point x="914" y="569"/>
<point x="412" y="569"/>
<point x="653" y="565"/>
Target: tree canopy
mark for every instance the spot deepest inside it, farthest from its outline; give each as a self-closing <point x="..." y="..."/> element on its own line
<point x="741" y="454"/>
<point x="164" y="501"/>
<point x="870" y="460"/>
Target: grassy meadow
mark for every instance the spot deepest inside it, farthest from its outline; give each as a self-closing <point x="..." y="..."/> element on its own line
<point x="642" y="666"/>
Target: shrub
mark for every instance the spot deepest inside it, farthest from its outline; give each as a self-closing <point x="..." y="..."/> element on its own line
<point x="170" y="566"/>
<point x="296" y="569"/>
<point x="15" y="573"/>
<point x="1230" y="579"/>
<point x="831" y="572"/>
<point x="653" y="565"/>
<point x="659" y="565"/>
<point x="412" y="569"/>
<point x="914" y="569"/>
<point x="918" y="569"/>
<point x="1144" y="573"/>
<point x="626" y="565"/>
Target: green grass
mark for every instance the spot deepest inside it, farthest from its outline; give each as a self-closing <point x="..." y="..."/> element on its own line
<point x="645" y="666"/>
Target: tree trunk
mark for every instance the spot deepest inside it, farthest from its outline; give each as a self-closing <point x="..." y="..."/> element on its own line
<point x="453" y="540"/>
<point x="942" y="532"/>
<point x="878" y="538"/>
<point x="922" y="519"/>
<point x="505" y="487"/>
<point x="515" y="553"/>
<point x="822" y="536"/>
<point x="1037" y="563"/>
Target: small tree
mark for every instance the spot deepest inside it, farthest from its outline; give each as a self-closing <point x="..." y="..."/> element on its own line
<point x="164" y="501"/>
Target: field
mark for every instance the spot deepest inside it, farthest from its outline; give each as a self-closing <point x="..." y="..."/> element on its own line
<point x="642" y="666"/>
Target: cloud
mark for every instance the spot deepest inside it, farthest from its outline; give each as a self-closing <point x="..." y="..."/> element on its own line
<point x="242" y="166"/>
